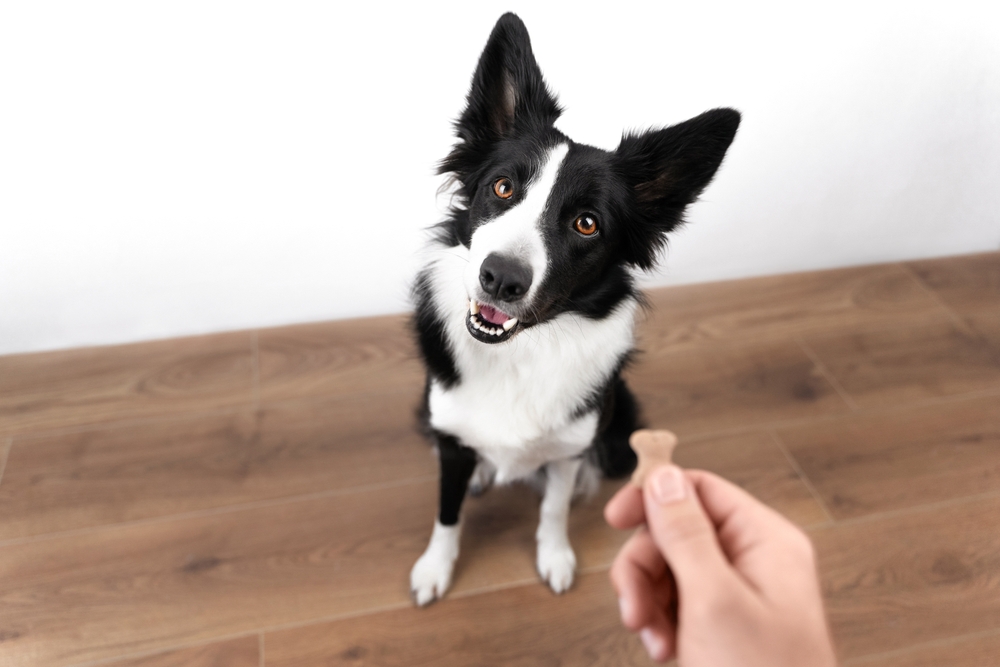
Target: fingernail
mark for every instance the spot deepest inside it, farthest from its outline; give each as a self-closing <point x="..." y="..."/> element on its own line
<point x="652" y="642"/>
<point x="623" y="608"/>
<point x="667" y="485"/>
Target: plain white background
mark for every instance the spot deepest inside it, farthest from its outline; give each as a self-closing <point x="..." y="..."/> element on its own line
<point x="183" y="167"/>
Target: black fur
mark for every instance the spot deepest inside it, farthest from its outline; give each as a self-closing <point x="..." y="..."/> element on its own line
<point x="458" y="462"/>
<point x="611" y="449"/>
<point x="434" y="348"/>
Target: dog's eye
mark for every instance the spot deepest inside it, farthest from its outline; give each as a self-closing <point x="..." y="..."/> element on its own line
<point x="586" y="224"/>
<point x="503" y="188"/>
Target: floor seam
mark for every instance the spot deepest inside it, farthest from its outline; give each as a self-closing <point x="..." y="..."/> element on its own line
<point x="112" y="660"/>
<point x="823" y="419"/>
<point x="192" y="415"/>
<point x="915" y="509"/>
<point x="217" y="511"/>
<point x="457" y="595"/>
<point x="813" y="491"/>
<point x="3" y="458"/>
<point x="936" y="298"/>
<point x="934" y="643"/>
<point x="137" y="421"/>
<point x="255" y="365"/>
<point x="830" y="377"/>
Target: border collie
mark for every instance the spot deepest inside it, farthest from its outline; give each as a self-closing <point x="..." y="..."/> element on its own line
<point x="525" y="307"/>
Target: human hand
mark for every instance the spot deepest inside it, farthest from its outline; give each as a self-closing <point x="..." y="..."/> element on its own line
<point x="715" y="577"/>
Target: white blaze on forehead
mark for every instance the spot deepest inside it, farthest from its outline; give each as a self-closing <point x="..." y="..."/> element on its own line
<point x="517" y="233"/>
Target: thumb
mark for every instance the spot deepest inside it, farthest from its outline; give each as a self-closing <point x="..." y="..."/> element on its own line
<point x="683" y="532"/>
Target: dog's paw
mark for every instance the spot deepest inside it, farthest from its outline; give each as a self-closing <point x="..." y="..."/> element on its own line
<point x="482" y="479"/>
<point x="556" y="564"/>
<point x="431" y="575"/>
<point x="430" y="578"/>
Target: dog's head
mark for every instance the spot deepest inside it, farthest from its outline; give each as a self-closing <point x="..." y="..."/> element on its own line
<point x="552" y="225"/>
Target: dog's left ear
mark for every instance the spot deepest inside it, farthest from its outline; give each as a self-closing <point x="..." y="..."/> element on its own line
<point x="666" y="170"/>
<point x="508" y="94"/>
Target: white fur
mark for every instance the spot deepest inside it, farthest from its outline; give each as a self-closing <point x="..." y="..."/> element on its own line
<point x="431" y="575"/>
<point x="516" y="232"/>
<point x="556" y="560"/>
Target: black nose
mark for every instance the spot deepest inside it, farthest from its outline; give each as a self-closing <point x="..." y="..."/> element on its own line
<point x="504" y="278"/>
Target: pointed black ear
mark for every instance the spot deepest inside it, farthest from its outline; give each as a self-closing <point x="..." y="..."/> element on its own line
<point x="666" y="170"/>
<point x="508" y="94"/>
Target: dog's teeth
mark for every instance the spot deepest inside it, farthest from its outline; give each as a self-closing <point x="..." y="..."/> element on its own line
<point x="473" y="307"/>
<point x="472" y="318"/>
<point x="510" y="324"/>
<point x="495" y="332"/>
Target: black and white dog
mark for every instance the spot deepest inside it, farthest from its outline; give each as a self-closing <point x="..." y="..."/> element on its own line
<point x="525" y="307"/>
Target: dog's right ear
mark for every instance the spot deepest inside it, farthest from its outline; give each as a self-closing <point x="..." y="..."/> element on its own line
<point x="508" y="95"/>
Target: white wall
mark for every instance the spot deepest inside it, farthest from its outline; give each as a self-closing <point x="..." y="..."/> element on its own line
<point x="184" y="167"/>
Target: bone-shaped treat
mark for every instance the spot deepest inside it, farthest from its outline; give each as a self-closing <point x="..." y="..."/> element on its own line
<point x="654" y="448"/>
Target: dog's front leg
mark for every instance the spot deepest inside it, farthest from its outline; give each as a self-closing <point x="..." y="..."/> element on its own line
<point x="556" y="560"/>
<point x="431" y="575"/>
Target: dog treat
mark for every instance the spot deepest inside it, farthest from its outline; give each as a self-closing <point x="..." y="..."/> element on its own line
<point x="654" y="448"/>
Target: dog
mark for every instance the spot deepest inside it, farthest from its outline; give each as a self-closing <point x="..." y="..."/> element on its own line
<point x="525" y="305"/>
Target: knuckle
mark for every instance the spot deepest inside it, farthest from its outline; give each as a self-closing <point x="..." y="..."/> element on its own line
<point x="684" y="529"/>
<point x="708" y="606"/>
<point x="619" y="573"/>
<point x="802" y="545"/>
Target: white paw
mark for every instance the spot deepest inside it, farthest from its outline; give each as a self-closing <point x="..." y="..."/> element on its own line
<point x="431" y="575"/>
<point x="430" y="578"/>
<point x="556" y="564"/>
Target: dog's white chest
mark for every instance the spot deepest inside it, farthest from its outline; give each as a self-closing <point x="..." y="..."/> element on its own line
<point x="518" y="422"/>
<point x="518" y="403"/>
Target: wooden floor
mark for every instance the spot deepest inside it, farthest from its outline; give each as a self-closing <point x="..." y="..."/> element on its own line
<point x="258" y="498"/>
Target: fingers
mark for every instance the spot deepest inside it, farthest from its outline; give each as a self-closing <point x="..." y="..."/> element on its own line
<point x="684" y="534"/>
<point x="760" y="543"/>
<point x="637" y="569"/>
<point x="646" y="595"/>
<point x="625" y="509"/>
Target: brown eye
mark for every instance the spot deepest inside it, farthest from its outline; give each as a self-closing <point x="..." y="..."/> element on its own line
<point x="503" y="188"/>
<point x="586" y="224"/>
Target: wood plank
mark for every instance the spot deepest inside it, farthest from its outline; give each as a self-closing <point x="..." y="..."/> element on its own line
<point x="975" y="651"/>
<point x="157" y="468"/>
<point x="886" y="461"/>
<point x="754" y="462"/>
<point x="966" y="282"/>
<point x="986" y="323"/>
<point x="911" y="578"/>
<point x="128" y="589"/>
<point x="850" y="298"/>
<point x="51" y="390"/>
<point x="526" y="625"/>
<point x="912" y="362"/>
<point x="342" y="358"/>
<point x="711" y="387"/>
<point x="241" y="652"/>
<point x="108" y="592"/>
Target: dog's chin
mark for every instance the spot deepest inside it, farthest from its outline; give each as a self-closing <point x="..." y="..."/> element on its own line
<point x="490" y="325"/>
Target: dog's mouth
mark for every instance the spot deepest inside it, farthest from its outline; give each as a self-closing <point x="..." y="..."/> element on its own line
<point x="489" y="324"/>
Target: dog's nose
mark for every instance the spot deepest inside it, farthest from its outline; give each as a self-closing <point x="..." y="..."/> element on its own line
<point x="504" y="278"/>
